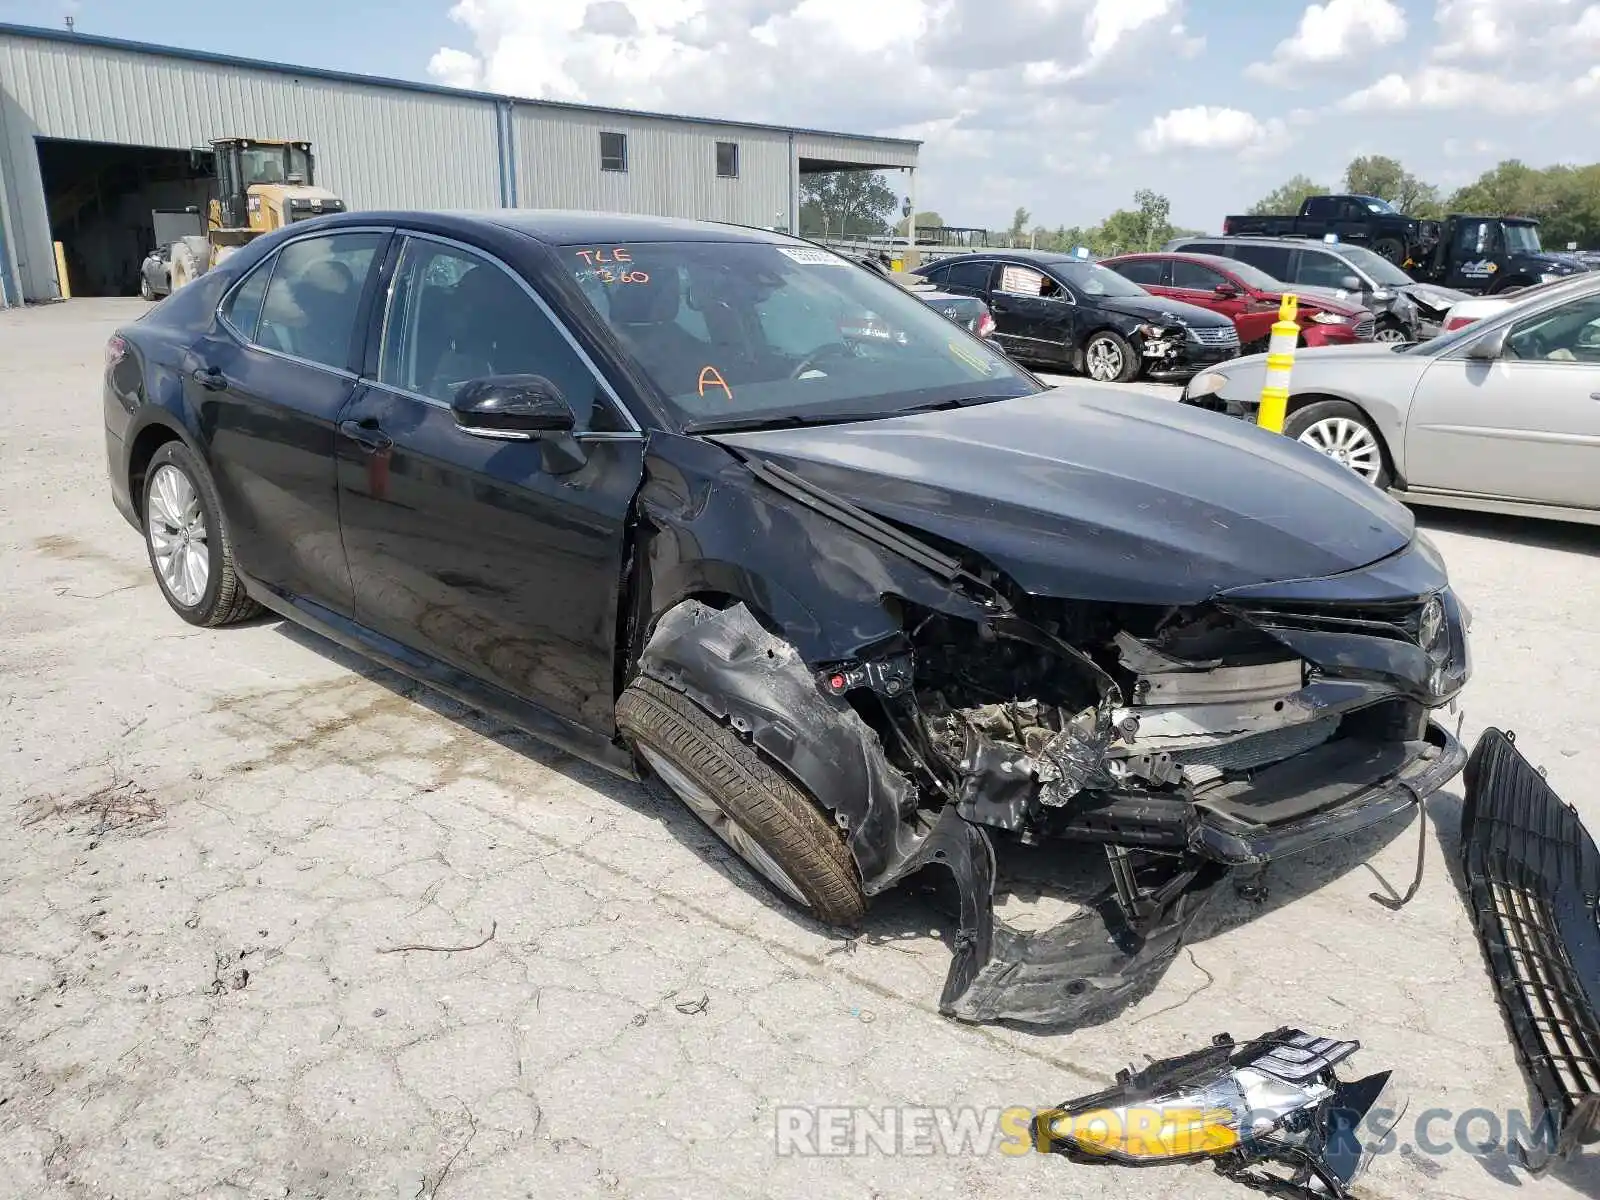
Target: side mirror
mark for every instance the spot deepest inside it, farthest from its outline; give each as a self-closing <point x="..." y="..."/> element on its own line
<point x="1225" y="291"/>
<point x="521" y="408"/>
<point x="1350" y="283"/>
<point x="1490" y="347"/>
<point x="514" y="407"/>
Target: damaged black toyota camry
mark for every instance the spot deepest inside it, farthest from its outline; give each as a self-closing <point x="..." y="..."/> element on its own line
<point x="710" y="504"/>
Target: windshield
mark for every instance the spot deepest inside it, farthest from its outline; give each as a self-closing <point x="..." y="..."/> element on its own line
<point x="262" y="164"/>
<point x="1522" y="239"/>
<point x="737" y="334"/>
<point x="1091" y="279"/>
<point x="1380" y="269"/>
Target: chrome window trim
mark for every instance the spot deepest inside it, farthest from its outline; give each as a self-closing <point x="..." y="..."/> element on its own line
<point x="250" y="342"/>
<point x="549" y="314"/>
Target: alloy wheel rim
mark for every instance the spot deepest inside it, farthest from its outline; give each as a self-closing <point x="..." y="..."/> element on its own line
<point x="179" y="540"/>
<point x="1388" y="333"/>
<point x="733" y="835"/>
<point x="1348" y="443"/>
<point x="1105" y="360"/>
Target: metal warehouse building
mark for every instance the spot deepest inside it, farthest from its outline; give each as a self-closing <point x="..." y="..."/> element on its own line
<point x="96" y="133"/>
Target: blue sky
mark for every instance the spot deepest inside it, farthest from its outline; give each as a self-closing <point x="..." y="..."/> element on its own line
<point x="1064" y="107"/>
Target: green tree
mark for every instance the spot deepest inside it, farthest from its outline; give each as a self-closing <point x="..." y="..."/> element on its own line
<point x="846" y="204"/>
<point x="1384" y="177"/>
<point x="1019" y="222"/>
<point x="1287" y="198"/>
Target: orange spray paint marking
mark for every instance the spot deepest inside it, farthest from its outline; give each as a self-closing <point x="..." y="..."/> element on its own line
<point x="713" y="377"/>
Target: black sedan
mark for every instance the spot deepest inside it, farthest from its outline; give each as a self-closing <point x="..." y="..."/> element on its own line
<point x="711" y="504"/>
<point x="1065" y="313"/>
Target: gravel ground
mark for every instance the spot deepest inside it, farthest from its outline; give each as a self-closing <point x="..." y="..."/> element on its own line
<point x="215" y="841"/>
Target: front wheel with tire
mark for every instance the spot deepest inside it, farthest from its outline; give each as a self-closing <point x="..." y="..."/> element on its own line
<point x="1109" y="358"/>
<point x="769" y="821"/>
<point x="1390" y="248"/>
<point x="1391" y="332"/>
<point x="146" y="292"/>
<point x="187" y="540"/>
<point x="1342" y="431"/>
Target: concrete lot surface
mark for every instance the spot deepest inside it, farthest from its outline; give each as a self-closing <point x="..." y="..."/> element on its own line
<point x="214" y="844"/>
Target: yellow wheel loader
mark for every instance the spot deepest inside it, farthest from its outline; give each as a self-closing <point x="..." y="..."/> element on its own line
<point x="262" y="184"/>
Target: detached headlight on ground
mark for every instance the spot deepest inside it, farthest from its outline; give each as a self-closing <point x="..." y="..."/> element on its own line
<point x="1275" y="1100"/>
<point x="1328" y="318"/>
<point x="1207" y="383"/>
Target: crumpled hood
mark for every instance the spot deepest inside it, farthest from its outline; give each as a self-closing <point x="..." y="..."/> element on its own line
<point x="1159" y="310"/>
<point x="1099" y="493"/>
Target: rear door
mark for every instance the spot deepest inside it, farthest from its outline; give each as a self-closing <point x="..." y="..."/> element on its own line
<point x="1524" y="427"/>
<point x="269" y="386"/>
<point x="1277" y="261"/>
<point x="468" y="549"/>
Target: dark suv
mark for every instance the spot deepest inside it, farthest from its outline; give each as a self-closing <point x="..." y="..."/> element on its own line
<point x="1404" y="309"/>
<point x="1066" y="313"/>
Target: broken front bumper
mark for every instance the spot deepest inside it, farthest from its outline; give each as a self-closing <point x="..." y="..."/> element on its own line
<point x="1533" y="881"/>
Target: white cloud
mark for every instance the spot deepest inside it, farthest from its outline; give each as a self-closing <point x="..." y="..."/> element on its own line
<point x="1337" y="31"/>
<point x="1204" y="127"/>
<point x="1449" y="88"/>
<point x="1009" y="93"/>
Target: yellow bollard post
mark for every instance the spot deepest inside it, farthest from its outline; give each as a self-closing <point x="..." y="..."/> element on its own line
<point x="1280" y="361"/>
<point x="61" y="271"/>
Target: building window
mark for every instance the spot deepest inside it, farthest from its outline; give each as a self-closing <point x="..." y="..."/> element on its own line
<point x="613" y="152"/>
<point x="727" y="160"/>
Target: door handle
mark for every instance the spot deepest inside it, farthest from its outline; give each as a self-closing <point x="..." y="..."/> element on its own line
<point x="210" y="378"/>
<point x="367" y="435"/>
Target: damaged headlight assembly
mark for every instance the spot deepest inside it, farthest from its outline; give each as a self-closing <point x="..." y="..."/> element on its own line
<point x="1271" y="1114"/>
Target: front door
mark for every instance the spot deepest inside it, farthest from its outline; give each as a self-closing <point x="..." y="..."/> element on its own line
<point x="1033" y="315"/>
<point x="1197" y="284"/>
<point x="1525" y="426"/>
<point x="471" y="550"/>
<point x="1473" y="256"/>
<point x="269" y="385"/>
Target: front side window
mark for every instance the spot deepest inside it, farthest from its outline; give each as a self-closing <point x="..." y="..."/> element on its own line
<point x="749" y="332"/>
<point x="1322" y="270"/>
<point x="1375" y="266"/>
<point x="1195" y="277"/>
<point x="1567" y="333"/>
<point x="613" y="152"/>
<point x="728" y="160"/>
<point x="314" y="298"/>
<point x="455" y="317"/>
<point x="1522" y="239"/>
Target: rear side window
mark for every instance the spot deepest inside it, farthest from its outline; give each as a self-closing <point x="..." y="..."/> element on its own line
<point x="973" y="275"/>
<point x="1218" y="248"/>
<point x="243" y="308"/>
<point x="314" y="297"/>
<point x="1274" y="260"/>
<point x="1144" y="271"/>
<point x="1195" y="277"/>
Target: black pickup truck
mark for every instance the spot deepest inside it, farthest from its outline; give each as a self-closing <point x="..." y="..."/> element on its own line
<point x="1365" y="220"/>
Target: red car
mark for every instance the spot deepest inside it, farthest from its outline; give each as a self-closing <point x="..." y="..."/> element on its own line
<point x="1250" y="296"/>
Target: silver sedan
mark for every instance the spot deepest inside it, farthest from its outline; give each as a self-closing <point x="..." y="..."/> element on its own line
<point x="1501" y="416"/>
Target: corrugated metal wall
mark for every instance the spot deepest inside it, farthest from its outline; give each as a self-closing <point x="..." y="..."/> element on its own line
<point x="375" y="146"/>
<point x="380" y="144"/>
<point x="672" y="167"/>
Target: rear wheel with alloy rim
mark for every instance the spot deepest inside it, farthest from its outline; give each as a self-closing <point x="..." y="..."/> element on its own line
<point x="1108" y="358"/>
<point x="188" y="541"/>
<point x="1342" y="432"/>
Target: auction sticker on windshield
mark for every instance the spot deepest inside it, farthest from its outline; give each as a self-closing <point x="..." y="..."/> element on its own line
<point x="813" y="258"/>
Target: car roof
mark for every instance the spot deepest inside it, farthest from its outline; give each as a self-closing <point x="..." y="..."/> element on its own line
<point x="1219" y="261"/>
<point x="1042" y="257"/>
<point x="1289" y="243"/>
<point x="559" y="227"/>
